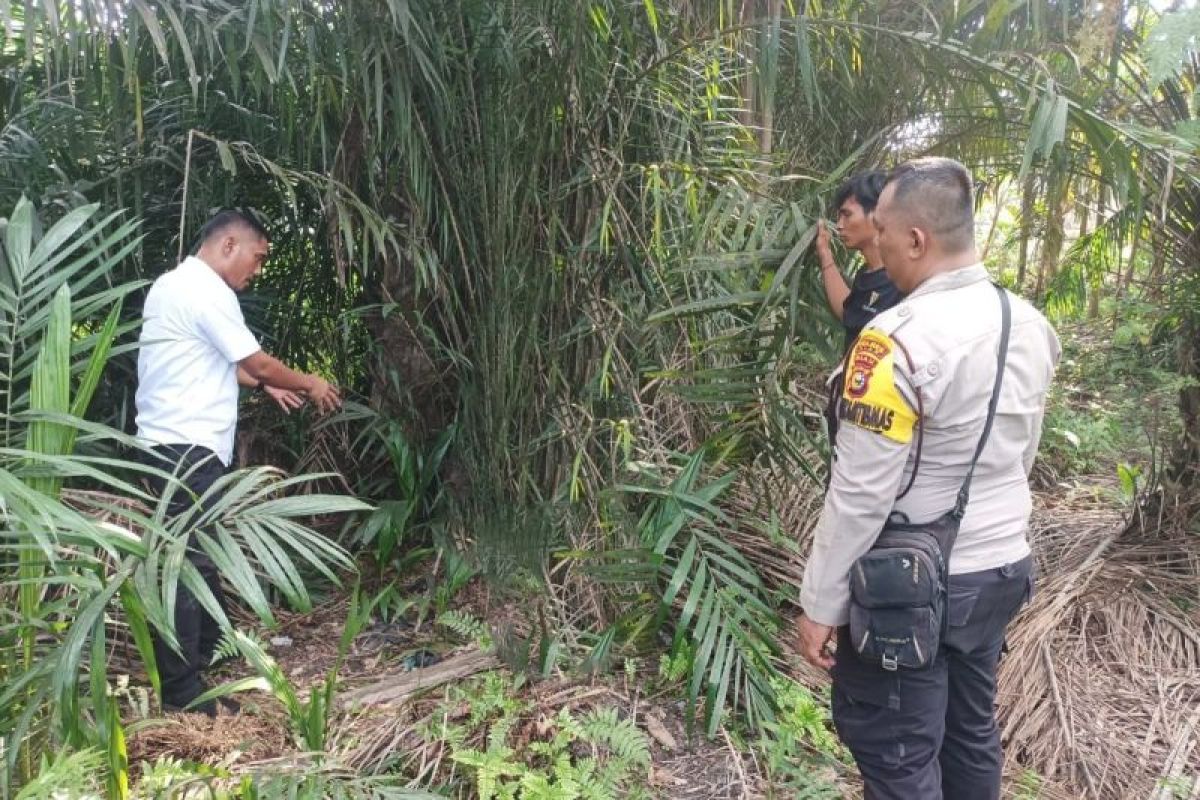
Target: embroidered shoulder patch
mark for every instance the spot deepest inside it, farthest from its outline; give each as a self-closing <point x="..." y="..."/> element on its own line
<point x="869" y="396"/>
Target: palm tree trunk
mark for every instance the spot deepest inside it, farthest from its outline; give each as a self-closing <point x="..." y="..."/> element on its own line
<point x="766" y="135"/>
<point x="1186" y="470"/>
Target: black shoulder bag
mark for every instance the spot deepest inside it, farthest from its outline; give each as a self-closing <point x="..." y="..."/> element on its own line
<point x="898" y="587"/>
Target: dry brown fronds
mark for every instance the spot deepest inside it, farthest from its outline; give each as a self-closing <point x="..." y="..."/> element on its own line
<point x="396" y="688"/>
<point x="1101" y="687"/>
<point x="777" y="552"/>
<point x="226" y="738"/>
<point x="103" y="506"/>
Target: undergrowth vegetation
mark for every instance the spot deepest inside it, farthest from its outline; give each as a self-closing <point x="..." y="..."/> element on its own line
<point x="1115" y="398"/>
<point x="558" y="257"/>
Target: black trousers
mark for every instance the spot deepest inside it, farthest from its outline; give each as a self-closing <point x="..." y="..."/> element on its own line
<point x="931" y="734"/>
<point x="197" y="631"/>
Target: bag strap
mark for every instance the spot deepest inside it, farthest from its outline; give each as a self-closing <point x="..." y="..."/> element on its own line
<point x="964" y="492"/>
<point x="912" y="475"/>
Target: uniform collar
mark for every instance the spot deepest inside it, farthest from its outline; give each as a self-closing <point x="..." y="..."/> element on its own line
<point x="954" y="279"/>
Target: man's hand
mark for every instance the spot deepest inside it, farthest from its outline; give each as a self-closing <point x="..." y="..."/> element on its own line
<point x="286" y="399"/>
<point x="323" y="394"/>
<point x="814" y="642"/>
<point x="824" y="251"/>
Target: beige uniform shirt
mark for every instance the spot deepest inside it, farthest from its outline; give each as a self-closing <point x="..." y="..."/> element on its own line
<point x="950" y="328"/>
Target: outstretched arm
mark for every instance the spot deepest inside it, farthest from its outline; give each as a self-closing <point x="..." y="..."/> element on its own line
<point x="261" y="367"/>
<point x="286" y="399"/>
<point x="836" y="290"/>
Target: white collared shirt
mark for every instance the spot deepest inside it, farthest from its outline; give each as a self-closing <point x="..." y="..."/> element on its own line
<point x="950" y="327"/>
<point x="193" y="335"/>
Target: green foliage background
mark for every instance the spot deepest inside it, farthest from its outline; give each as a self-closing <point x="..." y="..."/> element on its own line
<point x="559" y="254"/>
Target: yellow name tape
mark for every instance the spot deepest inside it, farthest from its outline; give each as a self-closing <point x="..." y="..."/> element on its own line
<point x="869" y="396"/>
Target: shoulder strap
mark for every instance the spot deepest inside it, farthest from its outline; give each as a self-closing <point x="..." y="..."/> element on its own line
<point x="912" y="475"/>
<point x="964" y="493"/>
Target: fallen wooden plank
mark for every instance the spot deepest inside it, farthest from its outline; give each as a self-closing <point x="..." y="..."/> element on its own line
<point x="398" y="686"/>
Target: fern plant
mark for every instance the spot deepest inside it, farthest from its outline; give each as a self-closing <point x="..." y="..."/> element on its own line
<point x="604" y="726"/>
<point x="552" y="768"/>
<point x="465" y="625"/>
<point x="800" y="751"/>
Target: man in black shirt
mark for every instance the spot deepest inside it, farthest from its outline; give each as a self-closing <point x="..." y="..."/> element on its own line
<point x="871" y="291"/>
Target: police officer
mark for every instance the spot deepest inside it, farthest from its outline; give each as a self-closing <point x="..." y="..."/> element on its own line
<point x="920" y="407"/>
<point x="871" y="291"/>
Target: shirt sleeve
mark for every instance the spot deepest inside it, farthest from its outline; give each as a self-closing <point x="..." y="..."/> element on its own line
<point x="1031" y="449"/>
<point x="1035" y="439"/>
<point x="222" y="325"/>
<point x="873" y="442"/>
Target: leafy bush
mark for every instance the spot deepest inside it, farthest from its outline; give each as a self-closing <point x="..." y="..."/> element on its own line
<point x="1112" y="400"/>
<point x="800" y="752"/>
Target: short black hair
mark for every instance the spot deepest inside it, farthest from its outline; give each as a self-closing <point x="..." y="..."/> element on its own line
<point x="938" y="193"/>
<point x="224" y="220"/>
<point x="865" y="187"/>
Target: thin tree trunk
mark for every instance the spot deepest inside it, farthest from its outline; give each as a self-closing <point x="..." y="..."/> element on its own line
<point x="1123" y="286"/>
<point x="1084" y="210"/>
<point x="1155" y="279"/>
<point x="1035" y="260"/>
<point x="767" y="133"/>
<point x="1052" y="236"/>
<point x="998" y="203"/>
<point x="1093" y="308"/>
<point x="1028" y="194"/>
<point x="1095" y="278"/>
<point x="748" y="114"/>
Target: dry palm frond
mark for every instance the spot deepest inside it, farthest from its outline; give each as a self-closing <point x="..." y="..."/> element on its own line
<point x="1101" y="686"/>
<point x="777" y="547"/>
<point x="101" y="506"/>
<point x="195" y="737"/>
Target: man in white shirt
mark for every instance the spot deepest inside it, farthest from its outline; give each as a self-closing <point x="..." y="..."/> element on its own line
<point x="911" y="414"/>
<point x="195" y="350"/>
